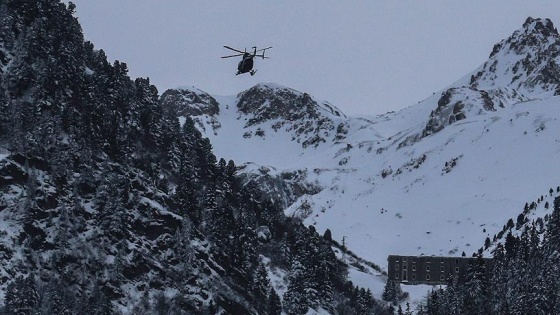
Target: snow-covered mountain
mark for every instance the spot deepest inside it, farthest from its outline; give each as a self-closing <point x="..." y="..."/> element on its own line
<point x="436" y="178"/>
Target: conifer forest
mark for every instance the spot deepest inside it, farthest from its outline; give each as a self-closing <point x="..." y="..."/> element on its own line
<point x="114" y="200"/>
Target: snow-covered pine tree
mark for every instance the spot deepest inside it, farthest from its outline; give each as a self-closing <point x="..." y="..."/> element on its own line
<point x="476" y="288"/>
<point x="434" y="303"/>
<point x="389" y="294"/>
<point x="260" y="283"/>
<point x="392" y="292"/>
<point x="408" y="311"/>
<point x="56" y="299"/>
<point x="21" y="296"/>
<point x="296" y="300"/>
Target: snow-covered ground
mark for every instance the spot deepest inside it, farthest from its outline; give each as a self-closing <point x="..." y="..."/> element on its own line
<point x="501" y="160"/>
<point x="441" y="194"/>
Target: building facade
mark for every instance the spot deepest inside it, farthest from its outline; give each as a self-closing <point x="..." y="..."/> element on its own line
<point x="432" y="270"/>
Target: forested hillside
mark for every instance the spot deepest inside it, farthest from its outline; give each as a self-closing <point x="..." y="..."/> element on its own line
<point x="108" y="205"/>
<point x="522" y="280"/>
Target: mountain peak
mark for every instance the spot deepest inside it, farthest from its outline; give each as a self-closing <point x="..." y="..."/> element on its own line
<point x="187" y="101"/>
<point x="527" y="61"/>
<point x="524" y="66"/>
<point x="272" y="101"/>
<point x="536" y="34"/>
<point x="539" y="25"/>
<point x="309" y="119"/>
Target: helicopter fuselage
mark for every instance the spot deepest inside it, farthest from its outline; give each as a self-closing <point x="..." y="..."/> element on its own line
<point x="246" y="64"/>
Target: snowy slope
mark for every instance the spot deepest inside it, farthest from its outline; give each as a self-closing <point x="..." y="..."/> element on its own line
<point x="436" y="178"/>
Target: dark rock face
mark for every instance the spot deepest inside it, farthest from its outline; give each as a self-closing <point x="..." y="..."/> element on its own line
<point x="189" y="102"/>
<point x="267" y="103"/>
<point x="455" y="104"/>
<point x="309" y="122"/>
<point x="287" y="186"/>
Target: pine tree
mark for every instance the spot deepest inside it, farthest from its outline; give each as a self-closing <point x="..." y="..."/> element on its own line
<point x="220" y="227"/>
<point x="421" y="310"/>
<point x="260" y="284"/>
<point x="296" y="300"/>
<point x="328" y="235"/>
<point x="392" y="292"/>
<point x="56" y="299"/>
<point x="325" y="287"/>
<point x="435" y="303"/>
<point x="389" y="292"/>
<point x="21" y="296"/>
<point x="453" y="303"/>
<point x="510" y="245"/>
<point x="274" y="305"/>
<point x="476" y="288"/>
<point x="189" y="195"/>
<point x="552" y="234"/>
<point x="111" y="199"/>
<point x="408" y="311"/>
<point x="244" y="242"/>
<point x="363" y="301"/>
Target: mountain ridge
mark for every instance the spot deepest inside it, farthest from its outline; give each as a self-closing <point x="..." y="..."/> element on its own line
<point x="374" y="180"/>
<point x="109" y="205"/>
<point x="113" y="202"/>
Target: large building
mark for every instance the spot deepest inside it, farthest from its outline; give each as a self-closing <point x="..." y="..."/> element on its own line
<point x="429" y="269"/>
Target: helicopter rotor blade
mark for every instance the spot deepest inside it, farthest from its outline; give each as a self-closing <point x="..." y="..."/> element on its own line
<point x="239" y="51"/>
<point x="236" y="55"/>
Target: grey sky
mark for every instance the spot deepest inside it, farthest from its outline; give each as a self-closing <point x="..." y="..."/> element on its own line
<point x="366" y="57"/>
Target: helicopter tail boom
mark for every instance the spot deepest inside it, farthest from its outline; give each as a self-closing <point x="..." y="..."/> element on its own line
<point x="263" y="51"/>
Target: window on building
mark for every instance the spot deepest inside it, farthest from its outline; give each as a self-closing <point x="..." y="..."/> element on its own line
<point x="442" y="269"/>
<point x="413" y="267"/>
<point x="428" y="268"/>
<point x="428" y="277"/>
<point x="442" y="261"/>
<point x="396" y="276"/>
<point x="413" y="276"/>
<point x="456" y="261"/>
<point x="404" y="260"/>
<point x="441" y="278"/>
<point x="456" y="269"/>
<point x="396" y="267"/>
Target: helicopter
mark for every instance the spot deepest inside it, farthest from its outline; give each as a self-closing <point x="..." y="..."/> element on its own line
<point x="246" y="64"/>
